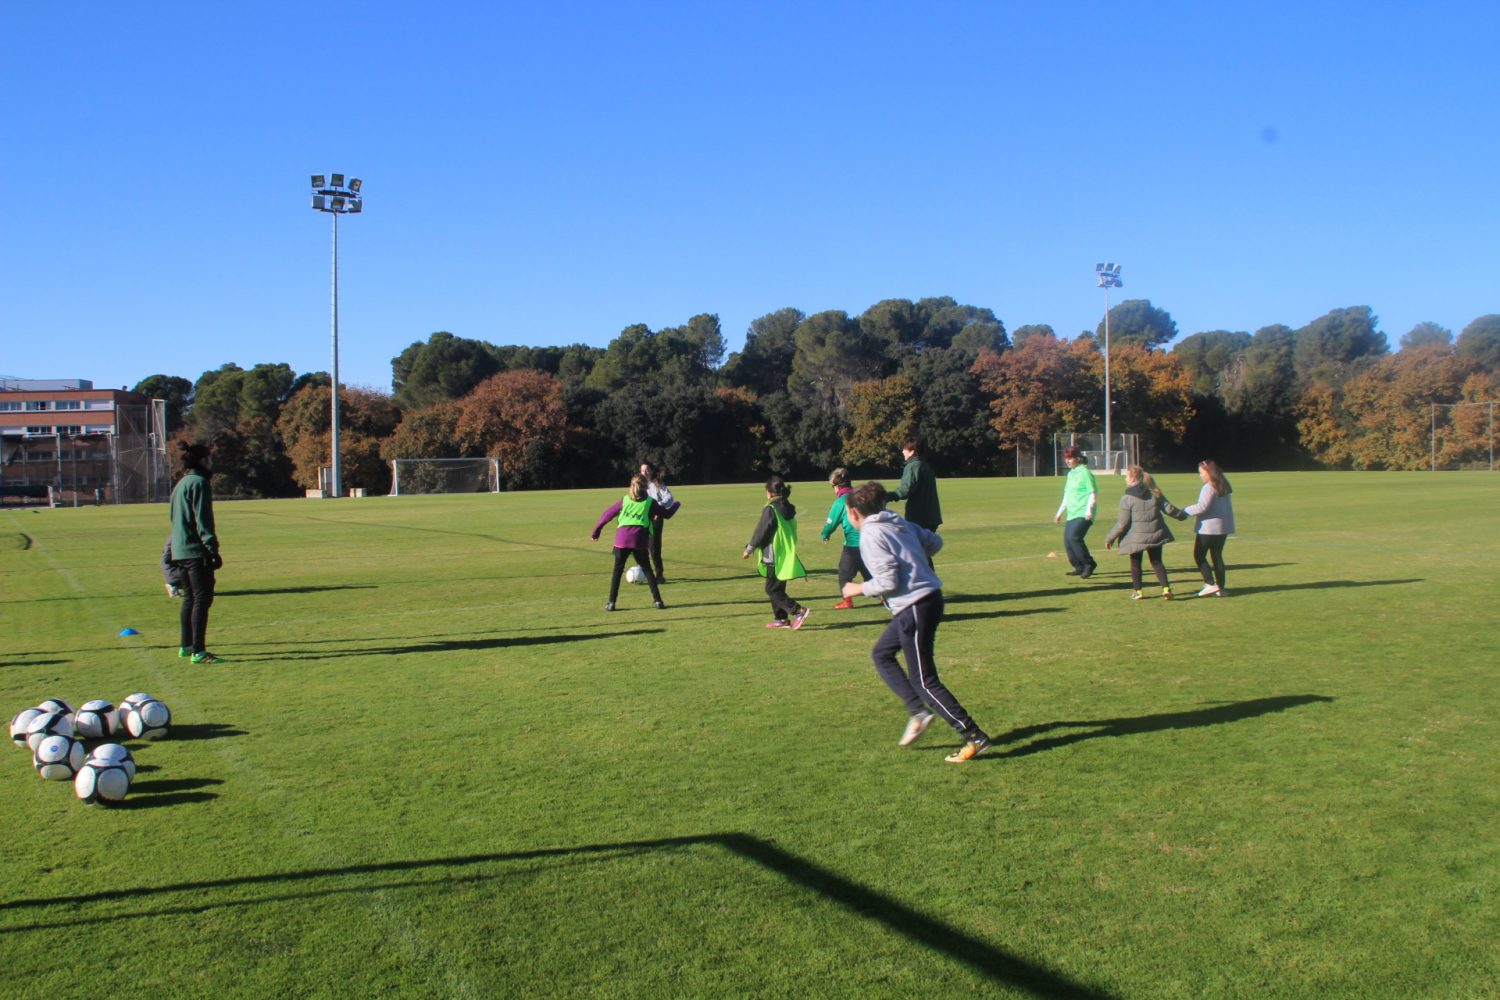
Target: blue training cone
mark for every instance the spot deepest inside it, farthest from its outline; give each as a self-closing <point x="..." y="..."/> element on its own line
<point x="127" y="630"/>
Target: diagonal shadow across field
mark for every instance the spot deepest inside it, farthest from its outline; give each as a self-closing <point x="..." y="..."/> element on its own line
<point x="993" y="962"/>
<point x="1214" y="715"/>
<point x="454" y="645"/>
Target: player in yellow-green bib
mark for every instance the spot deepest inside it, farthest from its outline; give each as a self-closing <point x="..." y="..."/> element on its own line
<point x="776" y="536"/>
<point x="636" y="511"/>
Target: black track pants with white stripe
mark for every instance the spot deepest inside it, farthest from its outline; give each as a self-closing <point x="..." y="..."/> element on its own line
<point x="912" y="633"/>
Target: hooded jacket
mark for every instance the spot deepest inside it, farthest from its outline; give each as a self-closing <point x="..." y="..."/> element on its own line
<point x="1140" y="526"/>
<point x="898" y="555"/>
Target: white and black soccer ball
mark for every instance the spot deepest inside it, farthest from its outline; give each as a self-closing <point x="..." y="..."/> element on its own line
<point x="100" y="783"/>
<point x="116" y="755"/>
<point x="48" y="724"/>
<point x="18" y="726"/>
<point x="148" y="720"/>
<point x="56" y="705"/>
<point x="58" y="758"/>
<point x="635" y="575"/>
<point x="95" y="720"/>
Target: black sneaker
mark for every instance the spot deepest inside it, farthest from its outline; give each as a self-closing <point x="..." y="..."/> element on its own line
<point x="660" y="606"/>
<point x="1071" y="572"/>
<point x="610" y="606"/>
<point x="1087" y="571"/>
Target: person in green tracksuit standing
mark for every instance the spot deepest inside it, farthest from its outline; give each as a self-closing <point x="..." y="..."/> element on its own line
<point x="918" y="487"/>
<point x="776" y="536"/>
<point x="1080" y="497"/>
<point x="195" y="550"/>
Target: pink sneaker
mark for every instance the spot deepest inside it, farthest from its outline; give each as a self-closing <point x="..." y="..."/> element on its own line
<point x="801" y="617"/>
<point x="779" y="623"/>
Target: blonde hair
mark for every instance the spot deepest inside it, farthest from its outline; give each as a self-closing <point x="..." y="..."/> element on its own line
<point x="637" y="487"/>
<point x="1139" y="475"/>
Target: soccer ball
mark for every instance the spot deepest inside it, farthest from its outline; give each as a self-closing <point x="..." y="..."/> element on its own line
<point x="100" y="783"/>
<point x="18" y="724"/>
<point x="58" y="758"/>
<point x="114" y="755"/>
<point x="56" y="705"/>
<point x="148" y="720"/>
<point x="48" y="724"/>
<point x="96" y="720"/>
<point x="635" y="575"/>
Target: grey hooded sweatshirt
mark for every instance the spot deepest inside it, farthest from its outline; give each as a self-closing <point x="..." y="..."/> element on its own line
<point x="898" y="555"/>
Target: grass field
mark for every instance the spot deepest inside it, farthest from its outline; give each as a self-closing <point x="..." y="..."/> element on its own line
<point x="435" y="767"/>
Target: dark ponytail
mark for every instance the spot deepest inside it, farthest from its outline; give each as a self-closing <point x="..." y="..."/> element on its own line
<point x="777" y="487"/>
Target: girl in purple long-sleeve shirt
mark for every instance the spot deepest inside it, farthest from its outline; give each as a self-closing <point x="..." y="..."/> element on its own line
<point x="633" y="537"/>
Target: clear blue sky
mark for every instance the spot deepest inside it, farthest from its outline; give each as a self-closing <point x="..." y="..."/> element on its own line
<point x="550" y="173"/>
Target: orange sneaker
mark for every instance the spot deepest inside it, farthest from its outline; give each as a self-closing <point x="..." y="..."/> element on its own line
<point x="844" y="605"/>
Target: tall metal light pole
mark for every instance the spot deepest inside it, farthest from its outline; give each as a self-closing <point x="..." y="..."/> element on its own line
<point x="1107" y="277"/>
<point x="331" y="195"/>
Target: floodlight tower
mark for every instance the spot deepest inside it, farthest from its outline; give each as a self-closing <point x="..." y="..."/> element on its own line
<point x="332" y="195"/>
<point x="1107" y="276"/>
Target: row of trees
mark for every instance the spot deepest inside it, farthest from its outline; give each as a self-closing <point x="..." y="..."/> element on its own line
<point x="809" y="392"/>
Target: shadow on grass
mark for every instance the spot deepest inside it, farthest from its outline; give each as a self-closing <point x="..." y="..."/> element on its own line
<point x="994" y="963"/>
<point x="256" y="591"/>
<point x="164" y="800"/>
<point x="825" y="625"/>
<point x="456" y="645"/>
<point x="1215" y="715"/>
<point x="203" y="731"/>
<point x="22" y="661"/>
<point x="1317" y="585"/>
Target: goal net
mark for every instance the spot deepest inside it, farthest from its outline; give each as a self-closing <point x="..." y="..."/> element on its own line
<point x="414" y="476"/>
<point x="1123" y="451"/>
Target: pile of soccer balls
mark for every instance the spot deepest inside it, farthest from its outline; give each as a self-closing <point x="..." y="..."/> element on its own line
<point x="59" y="736"/>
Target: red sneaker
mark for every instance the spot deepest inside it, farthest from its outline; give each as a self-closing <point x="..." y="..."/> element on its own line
<point x="844" y="605"/>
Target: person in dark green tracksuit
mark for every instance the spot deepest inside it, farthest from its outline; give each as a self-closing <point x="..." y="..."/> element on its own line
<point x="776" y="536"/>
<point x="918" y="487"/>
<point x="195" y="550"/>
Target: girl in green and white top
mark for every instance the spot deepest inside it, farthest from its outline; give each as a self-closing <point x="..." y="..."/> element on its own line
<point x="1080" y="497"/>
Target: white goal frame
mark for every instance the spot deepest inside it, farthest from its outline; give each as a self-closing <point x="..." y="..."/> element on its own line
<point x="487" y="474"/>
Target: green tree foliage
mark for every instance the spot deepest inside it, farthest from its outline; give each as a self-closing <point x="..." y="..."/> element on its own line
<point x="1479" y="343"/>
<point x="696" y="432"/>
<point x="685" y="355"/>
<point x="832" y="353"/>
<point x="250" y="461"/>
<point x="1023" y="333"/>
<point x="766" y="362"/>
<point x="1208" y="356"/>
<point x="1329" y="347"/>
<point x="1137" y="321"/>
<point x="952" y="411"/>
<point x="229" y="395"/>
<point x="174" y="389"/>
<point x="1424" y="334"/>
<point x="443" y="367"/>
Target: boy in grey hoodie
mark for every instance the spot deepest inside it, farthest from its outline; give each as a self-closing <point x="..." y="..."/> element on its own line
<point x="898" y="555"/>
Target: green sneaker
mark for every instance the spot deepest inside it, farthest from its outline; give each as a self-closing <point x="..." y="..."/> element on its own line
<point x="206" y="657"/>
<point x="183" y="652"/>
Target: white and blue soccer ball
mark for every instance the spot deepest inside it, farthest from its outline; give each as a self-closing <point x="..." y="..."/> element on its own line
<point x="58" y="758"/>
<point x="19" y="724"/>
<point x="115" y="755"/>
<point x="148" y="720"/>
<point x="48" y="724"/>
<point x="100" y="783"/>
<point x="96" y="720"/>
<point x="635" y="575"/>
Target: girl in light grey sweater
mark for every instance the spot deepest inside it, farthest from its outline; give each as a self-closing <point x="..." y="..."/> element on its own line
<point x="1215" y="516"/>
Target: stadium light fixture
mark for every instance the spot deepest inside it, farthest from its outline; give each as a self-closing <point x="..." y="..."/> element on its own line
<point x="332" y="196"/>
<point x="1107" y="276"/>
